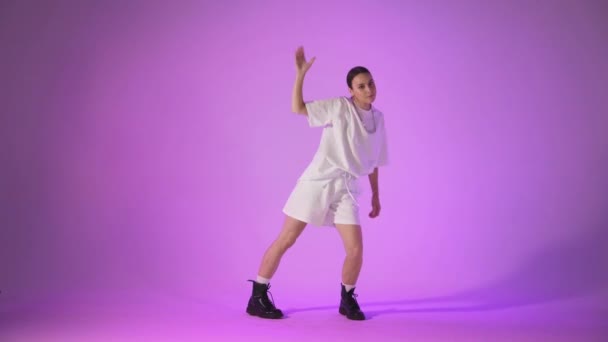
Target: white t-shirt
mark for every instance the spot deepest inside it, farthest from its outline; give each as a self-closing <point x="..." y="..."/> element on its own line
<point x="368" y="118"/>
<point x="347" y="143"/>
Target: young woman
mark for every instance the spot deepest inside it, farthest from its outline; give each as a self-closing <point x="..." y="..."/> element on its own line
<point x="353" y="144"/>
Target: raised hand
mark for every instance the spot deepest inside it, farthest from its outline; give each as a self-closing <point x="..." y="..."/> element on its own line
<point x="301" y="65"/>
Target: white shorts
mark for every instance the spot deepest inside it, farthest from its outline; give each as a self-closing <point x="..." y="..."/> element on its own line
<point x="325" y="202"/>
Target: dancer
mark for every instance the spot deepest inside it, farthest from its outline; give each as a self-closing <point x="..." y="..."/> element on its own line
<point x="353" y="144"/>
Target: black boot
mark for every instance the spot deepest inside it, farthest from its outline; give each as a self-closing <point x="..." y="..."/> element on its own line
<point x="349" y="306"/>
<point x="259" y="303"/>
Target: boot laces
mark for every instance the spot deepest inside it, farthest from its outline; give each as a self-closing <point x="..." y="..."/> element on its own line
<point x="268" y="302"/>
<point x="352" y="303"/>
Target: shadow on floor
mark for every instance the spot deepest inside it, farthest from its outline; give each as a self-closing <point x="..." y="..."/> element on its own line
<point x="562" y="272"/>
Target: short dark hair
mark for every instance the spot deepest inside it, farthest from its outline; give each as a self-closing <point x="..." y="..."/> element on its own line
<point x="353" y="73"/>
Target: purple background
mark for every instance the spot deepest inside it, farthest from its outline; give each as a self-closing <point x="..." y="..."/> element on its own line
<point x="149" y="147"/>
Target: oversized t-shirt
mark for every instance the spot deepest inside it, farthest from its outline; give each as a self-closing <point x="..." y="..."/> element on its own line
<point x="346" y="144"/>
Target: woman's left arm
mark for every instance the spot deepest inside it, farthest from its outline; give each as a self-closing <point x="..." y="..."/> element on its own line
<point x="373" y="182"/>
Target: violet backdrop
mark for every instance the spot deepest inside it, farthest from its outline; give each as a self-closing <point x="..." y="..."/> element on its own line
<point x="149" y="146"/>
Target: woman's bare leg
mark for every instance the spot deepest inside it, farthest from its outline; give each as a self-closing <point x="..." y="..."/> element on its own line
<point x="292" y="228"/>
<point x="353" y="245"/>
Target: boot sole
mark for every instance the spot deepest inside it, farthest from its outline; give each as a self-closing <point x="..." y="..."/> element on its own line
<point x="342" y="311"/>
<point x="253" y="313"/>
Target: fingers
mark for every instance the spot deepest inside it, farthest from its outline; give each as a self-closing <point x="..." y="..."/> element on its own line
<point x="300" y="55"/>
<point x="300" y="52"/>
<point x="375" y="212"/>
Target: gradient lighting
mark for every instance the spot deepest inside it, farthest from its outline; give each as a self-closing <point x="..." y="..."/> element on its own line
<point x="148" y="148"/>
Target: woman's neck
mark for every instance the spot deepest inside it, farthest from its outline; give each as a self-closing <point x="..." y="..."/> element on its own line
<point x="369" y="106"/>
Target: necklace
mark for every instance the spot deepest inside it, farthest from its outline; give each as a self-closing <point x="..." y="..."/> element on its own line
<point x="361" y="117"/>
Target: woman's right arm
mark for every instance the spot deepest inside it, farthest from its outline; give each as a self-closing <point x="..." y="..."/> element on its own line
<point x="297" y="100"/>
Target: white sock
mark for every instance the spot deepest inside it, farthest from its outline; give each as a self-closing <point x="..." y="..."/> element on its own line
<point x="262" y="280"/>
<point x="348" y="287"/>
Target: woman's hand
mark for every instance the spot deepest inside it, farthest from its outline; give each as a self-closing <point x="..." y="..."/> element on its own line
<point x="301" y="65"/>
<point x="375" y="206"/>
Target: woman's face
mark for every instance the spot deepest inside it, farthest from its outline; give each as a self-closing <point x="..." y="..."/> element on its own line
<point x="363" y="89"/>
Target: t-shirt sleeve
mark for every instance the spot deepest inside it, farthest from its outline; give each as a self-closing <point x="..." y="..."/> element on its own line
<point x="322" y="112"/>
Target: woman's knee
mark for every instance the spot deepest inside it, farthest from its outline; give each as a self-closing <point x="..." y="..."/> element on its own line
<point x="285" y="241"/>
<point x="292" y="229"/>
<point x="355" y="251"/>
